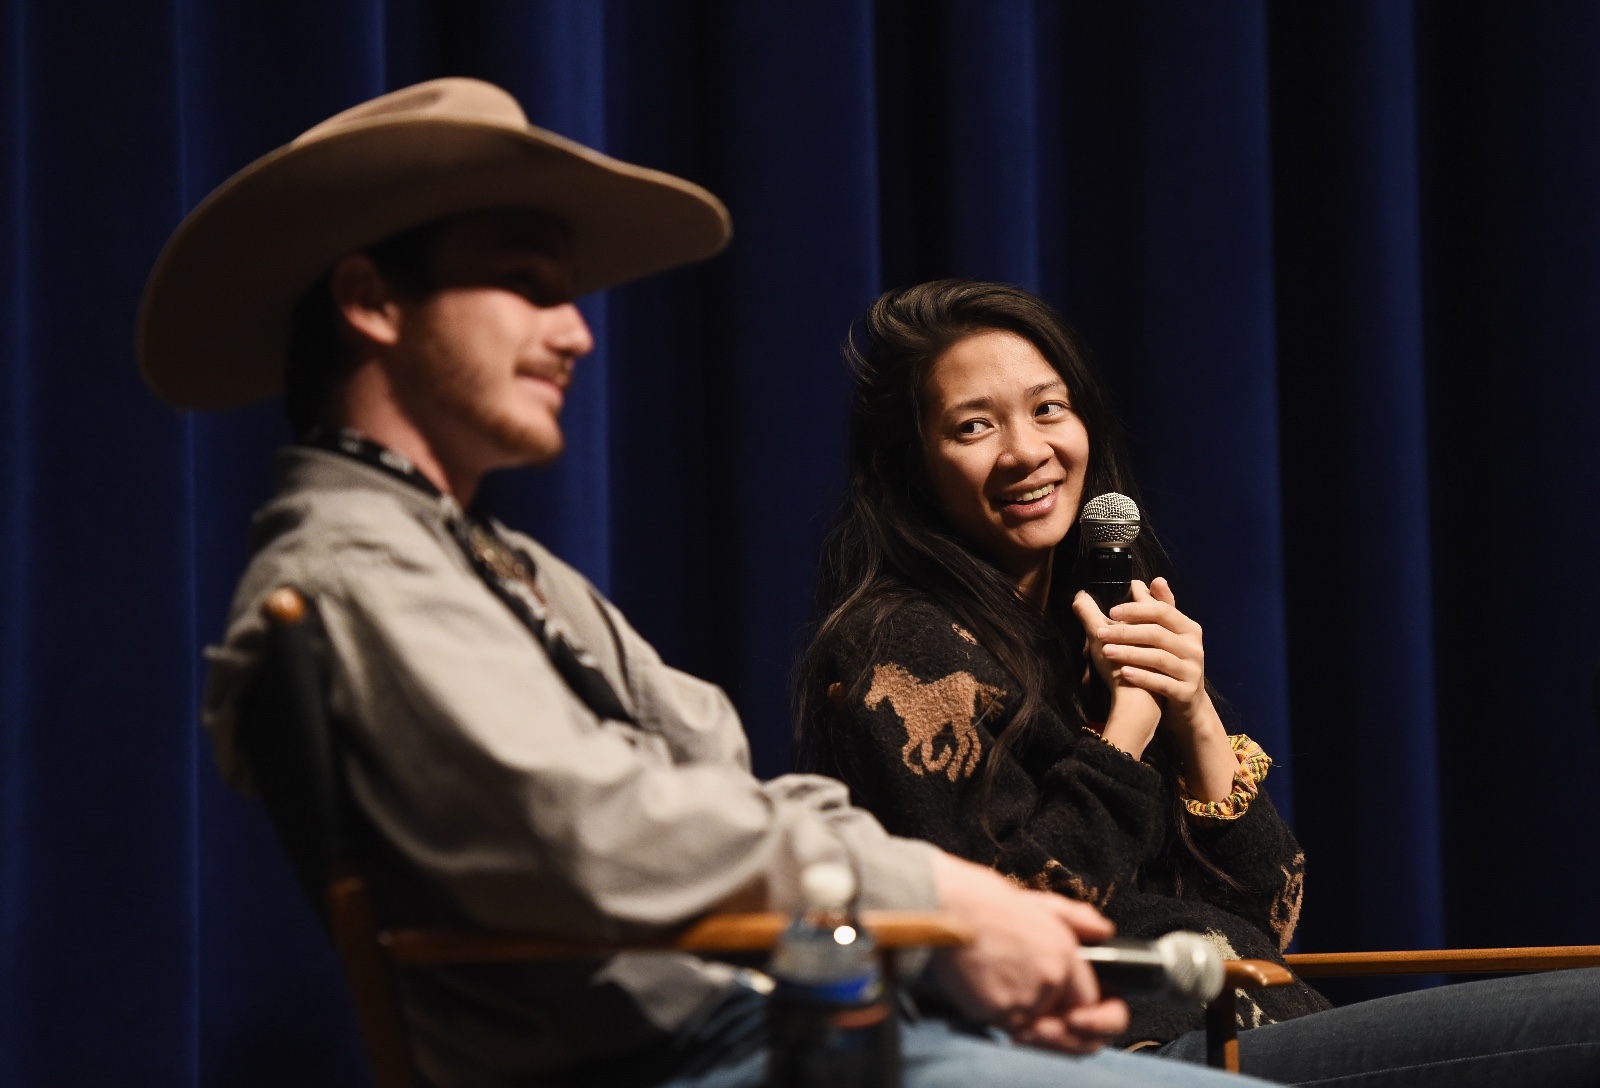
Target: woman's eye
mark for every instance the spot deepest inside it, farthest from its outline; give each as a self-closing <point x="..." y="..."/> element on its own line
<point x="1051" y="408"/>
<point x="970" y="427"/>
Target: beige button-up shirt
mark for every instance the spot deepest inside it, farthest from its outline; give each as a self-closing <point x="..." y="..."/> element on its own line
<point x="500" y="787"/>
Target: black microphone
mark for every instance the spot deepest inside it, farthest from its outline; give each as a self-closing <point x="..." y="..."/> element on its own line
<point x="1109" y="525"/>
<point x="1178" y="968"/>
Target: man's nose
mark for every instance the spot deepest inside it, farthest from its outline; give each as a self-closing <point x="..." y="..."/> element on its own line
<point x="570" y="334"/>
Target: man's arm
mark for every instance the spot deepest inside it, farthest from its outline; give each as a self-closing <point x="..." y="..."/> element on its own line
<point x="479" y="766"/>
<point x="494" y="781"/>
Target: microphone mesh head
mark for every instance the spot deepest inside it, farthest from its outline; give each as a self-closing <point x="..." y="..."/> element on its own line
<point x="1194" y="969"/>
<point x="1109" y="519"/>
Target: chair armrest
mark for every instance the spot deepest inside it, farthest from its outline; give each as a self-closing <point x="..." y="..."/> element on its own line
<point x="759" y="932"/>
<point x="754" y="932"/>
<point x="1222" y="1041"/>
<point x="1468" y="961"/>
<point x="1222" y="1017"/>
<point x="1254" y="974"/>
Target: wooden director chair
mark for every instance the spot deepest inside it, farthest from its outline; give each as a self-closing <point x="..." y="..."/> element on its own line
<point x="287" y="740"/>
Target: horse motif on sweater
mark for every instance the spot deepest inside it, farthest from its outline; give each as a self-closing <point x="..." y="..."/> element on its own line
<point x="957" y="701"/>
<point x="1284" y="911"/>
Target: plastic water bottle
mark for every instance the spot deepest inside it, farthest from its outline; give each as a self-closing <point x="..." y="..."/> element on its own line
<point x="830" y="1019"/>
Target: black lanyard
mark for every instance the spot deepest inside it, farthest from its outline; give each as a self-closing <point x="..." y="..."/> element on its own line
<point x="358" y="446"/>
<point x="509" y="573"/>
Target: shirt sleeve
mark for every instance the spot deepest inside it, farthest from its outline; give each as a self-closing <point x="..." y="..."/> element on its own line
<point x="481" y="768"/>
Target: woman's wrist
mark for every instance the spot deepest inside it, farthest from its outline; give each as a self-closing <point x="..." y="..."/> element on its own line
<point x="1209" y="761"/>
<point x="1132" y="721"/>
<point x="1197" y="720"/>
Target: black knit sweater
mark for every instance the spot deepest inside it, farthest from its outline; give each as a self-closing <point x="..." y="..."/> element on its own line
<point x="910" y="729"/>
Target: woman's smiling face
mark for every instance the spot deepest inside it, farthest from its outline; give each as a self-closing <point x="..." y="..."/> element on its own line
<point x="1004" y="450"/>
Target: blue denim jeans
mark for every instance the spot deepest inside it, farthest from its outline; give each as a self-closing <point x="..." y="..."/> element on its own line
<point x="727" y="1052"/>
<point x="1538" y="1030"/>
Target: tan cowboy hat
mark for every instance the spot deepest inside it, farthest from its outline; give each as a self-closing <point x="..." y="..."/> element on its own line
<point x="214" y="323"/>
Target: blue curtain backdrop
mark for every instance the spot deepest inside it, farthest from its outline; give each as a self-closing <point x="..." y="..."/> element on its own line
<point x="1340" y="261"/>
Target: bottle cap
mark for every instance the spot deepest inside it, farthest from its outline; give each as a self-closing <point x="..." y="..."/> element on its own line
<point x="827" y="886"/>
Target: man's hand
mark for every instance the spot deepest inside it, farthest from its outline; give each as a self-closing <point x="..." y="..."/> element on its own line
<point x="1022" y="970"/>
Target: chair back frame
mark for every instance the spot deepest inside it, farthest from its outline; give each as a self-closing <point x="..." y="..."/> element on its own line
<point x="287" y="739"/>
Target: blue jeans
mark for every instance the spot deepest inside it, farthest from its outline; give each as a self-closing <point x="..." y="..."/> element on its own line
<point x="1541" y="1030"/>
<point x="727" y="1052"/>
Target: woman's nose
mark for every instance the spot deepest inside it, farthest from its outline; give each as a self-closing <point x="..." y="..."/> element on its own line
<point x="1024" y="447"/>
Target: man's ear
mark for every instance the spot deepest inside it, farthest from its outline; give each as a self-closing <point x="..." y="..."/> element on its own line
<point x="370" y="309"/>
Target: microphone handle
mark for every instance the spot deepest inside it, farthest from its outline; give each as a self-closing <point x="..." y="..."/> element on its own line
<point x="1108" y="576"/>
<point x="1124" y="979"/>
<point x="1180" y="967"/>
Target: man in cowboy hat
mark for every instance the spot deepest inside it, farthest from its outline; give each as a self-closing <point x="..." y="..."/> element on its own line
<point x="404" y="274"/>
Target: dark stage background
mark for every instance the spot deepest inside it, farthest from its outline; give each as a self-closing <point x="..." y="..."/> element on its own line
<point x="1340" y="260"/>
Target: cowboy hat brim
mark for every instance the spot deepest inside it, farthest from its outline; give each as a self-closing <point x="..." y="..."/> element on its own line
<point x="215" y="320"/>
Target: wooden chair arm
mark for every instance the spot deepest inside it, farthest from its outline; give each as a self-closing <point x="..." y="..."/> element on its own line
<point x="1222" y="1014"/>
<point x="754" y="932"/>
<point x="1222" y="1038"/>
<point x="1254" y="974"/>
<point x="1468" y="961"/>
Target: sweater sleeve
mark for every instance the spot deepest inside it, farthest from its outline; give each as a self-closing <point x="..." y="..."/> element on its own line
<point x="1247" y="778"/>
<point x="1260" y="853"/>
<point x="912" y="724"/>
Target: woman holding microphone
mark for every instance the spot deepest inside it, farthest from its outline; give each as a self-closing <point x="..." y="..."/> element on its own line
<point x="971" y="694"/>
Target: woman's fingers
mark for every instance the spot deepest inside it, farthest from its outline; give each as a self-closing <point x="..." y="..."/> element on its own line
<point x="1087" y="609"/>
<point x="1154" y="659"/>
<point x="1146" y="634"/>
<point x="1144" y="610"/>
<point x="1154" y="647"/>
<point x="1156" y="683"/>
<point x="1152" y="610"/>
<point x="1151" y="645"/>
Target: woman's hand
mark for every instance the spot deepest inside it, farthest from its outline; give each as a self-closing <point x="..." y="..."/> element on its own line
<point x="1149" y="645"/>
<point x="1153" y="646"/>
<point x="1134" y="713"/>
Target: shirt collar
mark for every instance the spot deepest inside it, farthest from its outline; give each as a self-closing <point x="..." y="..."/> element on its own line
<point x="354" y="444"/>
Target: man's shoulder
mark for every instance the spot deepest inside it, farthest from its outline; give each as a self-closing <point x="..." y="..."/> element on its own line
<point x="327" y="513"/>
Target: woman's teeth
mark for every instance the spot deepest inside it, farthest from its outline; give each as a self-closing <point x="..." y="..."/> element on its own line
<point x="1036" y="494"/>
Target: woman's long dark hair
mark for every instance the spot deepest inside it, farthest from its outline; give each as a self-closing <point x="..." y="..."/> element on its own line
<point x="891" y="538"/>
